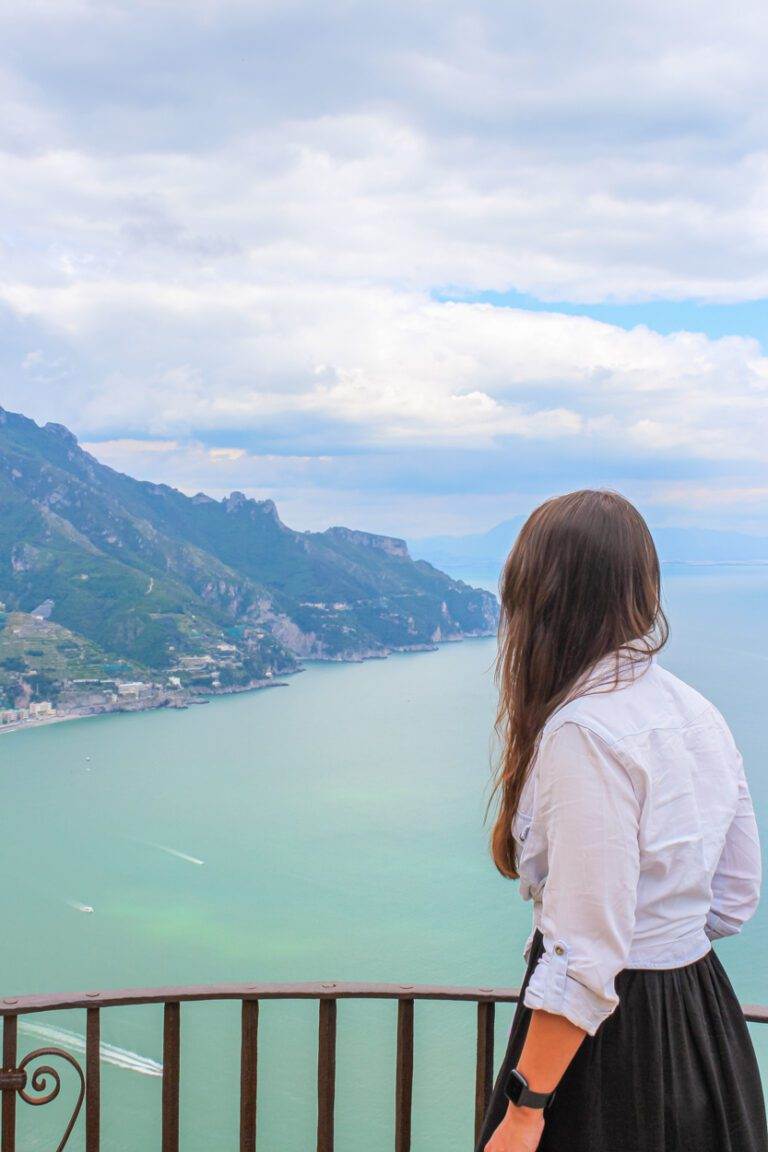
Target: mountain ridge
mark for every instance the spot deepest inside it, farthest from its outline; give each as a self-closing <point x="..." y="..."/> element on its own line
<point x="152" y="577"/>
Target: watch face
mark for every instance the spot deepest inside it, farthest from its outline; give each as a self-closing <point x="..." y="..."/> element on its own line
<point x="515" y="1086"/>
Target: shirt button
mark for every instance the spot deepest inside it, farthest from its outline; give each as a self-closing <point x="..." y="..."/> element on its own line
<point x="559" y="950"/>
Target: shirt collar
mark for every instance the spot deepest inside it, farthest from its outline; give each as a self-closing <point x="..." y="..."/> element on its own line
<point x="625" y="664"/>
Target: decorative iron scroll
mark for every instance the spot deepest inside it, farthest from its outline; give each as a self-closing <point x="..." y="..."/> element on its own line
<point x="17" y="1079"/>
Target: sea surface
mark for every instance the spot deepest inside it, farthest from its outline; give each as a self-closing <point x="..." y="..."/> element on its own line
<point x="330" y="830"/>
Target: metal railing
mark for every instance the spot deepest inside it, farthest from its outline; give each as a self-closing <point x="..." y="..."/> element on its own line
<point x="42" y="1084"/>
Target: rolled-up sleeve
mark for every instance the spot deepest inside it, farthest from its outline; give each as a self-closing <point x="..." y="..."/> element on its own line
<point x="737" y="878"/>
<point x="589" y="811"/>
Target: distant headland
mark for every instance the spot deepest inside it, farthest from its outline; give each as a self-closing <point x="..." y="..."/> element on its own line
<point x="118" y="594"/>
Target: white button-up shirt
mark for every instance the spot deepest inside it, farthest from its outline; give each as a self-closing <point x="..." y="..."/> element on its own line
<point x="636" y="836"/>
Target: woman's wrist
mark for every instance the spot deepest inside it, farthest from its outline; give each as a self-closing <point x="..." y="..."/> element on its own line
<point x="523" y="1115"/>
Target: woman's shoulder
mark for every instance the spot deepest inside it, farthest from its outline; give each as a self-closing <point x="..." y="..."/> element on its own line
<point x="651" y="698"/>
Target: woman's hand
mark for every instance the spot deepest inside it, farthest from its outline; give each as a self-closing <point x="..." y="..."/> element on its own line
<point x="519" y="1131"/>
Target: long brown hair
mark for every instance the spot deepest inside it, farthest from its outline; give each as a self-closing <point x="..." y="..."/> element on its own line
<point x="581" y="581"/>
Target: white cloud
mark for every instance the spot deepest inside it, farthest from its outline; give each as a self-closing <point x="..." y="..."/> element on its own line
<point x="389" y="368"/>
<point x="128" y="448"/>
<point x="612" y="152"/>
<point x="713" y="496"/>
<point x="246" y="236"/>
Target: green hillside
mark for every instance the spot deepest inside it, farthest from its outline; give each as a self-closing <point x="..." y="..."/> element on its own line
<point x="142" y="573"/>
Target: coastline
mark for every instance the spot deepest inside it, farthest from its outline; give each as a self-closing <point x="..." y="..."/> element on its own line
<point x="181" y="700"/>
<point x="179" y="703"/>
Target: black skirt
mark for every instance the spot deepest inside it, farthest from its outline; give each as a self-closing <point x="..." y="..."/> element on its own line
<point x="672" y="1069"/>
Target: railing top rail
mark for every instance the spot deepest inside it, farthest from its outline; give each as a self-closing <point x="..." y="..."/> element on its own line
<point x="319" y="990"/>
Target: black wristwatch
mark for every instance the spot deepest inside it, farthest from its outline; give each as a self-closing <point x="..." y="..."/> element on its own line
<point x="517" y="1091"/>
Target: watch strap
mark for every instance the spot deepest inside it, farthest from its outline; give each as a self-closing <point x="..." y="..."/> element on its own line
<point x="517" y="1091"/>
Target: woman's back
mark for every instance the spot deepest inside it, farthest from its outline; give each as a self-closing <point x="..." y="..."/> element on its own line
<point x="643" y="782"/>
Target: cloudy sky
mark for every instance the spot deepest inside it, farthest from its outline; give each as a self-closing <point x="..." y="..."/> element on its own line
<point x="406" y="266"/>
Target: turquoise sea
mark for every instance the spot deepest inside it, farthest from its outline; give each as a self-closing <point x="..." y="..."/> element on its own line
<point x="340" y="825"/>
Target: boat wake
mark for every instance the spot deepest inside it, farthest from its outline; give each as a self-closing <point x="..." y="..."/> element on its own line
<point x="179" y="855"/>
<point x="78" y="907"/>
<point x="108" y="1053"/>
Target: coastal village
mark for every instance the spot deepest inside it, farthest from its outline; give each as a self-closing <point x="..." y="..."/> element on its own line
<point x="92" y="697"/>
<point x="73" y="681"/>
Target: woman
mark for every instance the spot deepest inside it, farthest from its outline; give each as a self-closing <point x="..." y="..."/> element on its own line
<point x="625" y="813"/>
